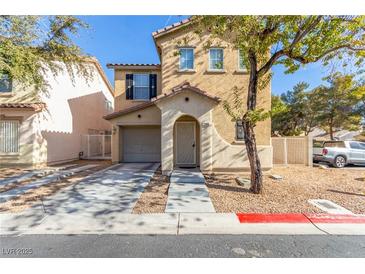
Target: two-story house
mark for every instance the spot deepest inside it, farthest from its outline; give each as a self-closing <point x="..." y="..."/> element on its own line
<point x="46" y="127"/>
<point x="172" y="112"/>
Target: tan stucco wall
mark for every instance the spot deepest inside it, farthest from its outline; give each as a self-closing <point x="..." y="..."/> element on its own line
<point x="220" y="84"/>
<point x="218" y="148"/>
<point x="226" y="156"/>
<point x="172" y="109"/>
<point x="149" y="116"/>
<point x="215" y="153"/>
<point x="27" y="138"/>
<point x="120" y="87"/>
<point x="20" y="94"/>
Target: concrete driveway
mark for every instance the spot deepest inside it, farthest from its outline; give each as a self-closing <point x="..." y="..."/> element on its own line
<point x="96" y="204"/>
<point x="109" y="191"/>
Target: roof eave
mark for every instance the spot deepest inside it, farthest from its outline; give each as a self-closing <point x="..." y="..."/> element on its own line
<point x="161" y="32"/>
<point x="134" y="66"/>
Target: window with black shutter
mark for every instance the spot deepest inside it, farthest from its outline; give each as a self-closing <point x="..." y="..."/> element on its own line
<point x="153" y="85"/>
<point x="129" y="86"/>
<point x="239" y="131"/>
<point x="141" y="86"/>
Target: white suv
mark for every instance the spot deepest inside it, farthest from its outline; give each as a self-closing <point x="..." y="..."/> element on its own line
<point x="340" y="153"/>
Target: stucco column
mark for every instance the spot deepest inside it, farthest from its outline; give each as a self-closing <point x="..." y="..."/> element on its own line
<point x="167" y="135"/>
<point x="115" y="143"/>
<point x="206" y="141"/>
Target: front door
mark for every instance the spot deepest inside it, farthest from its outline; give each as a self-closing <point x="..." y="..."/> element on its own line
<point x="185" y="143"/>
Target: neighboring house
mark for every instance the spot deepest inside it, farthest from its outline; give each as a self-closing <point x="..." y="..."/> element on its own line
<point x="172" y="112"/>
<point x="46" y="127"/>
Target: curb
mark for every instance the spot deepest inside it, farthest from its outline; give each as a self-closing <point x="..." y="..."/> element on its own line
<point x="300" y="218"/>
<point x="183" y="224"/>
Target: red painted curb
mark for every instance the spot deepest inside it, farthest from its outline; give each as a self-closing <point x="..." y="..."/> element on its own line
<point x="335" y="218"/>
<point x="272" y="218"/>
<point x="299" y="218"/>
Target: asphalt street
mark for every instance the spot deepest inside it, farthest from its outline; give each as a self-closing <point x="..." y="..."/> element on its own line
<point x="182" y="246"/>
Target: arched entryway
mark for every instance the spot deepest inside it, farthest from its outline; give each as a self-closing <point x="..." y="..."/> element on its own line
<point x="186" y="142"/>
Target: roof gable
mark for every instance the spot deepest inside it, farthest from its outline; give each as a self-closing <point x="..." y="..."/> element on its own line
<point x="183" y="87"/>
<point x="176" y="90"/>
<point x="171" y="28"/>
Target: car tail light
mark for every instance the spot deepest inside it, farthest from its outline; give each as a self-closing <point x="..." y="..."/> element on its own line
<point x="324" y="151"/>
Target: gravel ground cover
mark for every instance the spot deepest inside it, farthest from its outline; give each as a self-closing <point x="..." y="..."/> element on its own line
<point x="6" y="172"/>
<point x="154" y="196"/>
<point x="29" y="198"/>
<point x="346" y="187"/>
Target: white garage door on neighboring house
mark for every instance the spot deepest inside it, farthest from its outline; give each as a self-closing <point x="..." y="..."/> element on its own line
<point x="141" y="144"/>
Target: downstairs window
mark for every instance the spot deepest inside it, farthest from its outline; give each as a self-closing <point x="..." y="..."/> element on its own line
<point x="239" y="131"/>
<point x="9" y="137"/>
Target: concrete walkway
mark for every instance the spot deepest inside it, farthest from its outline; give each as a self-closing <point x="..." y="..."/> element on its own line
<point x="188" y="192"/>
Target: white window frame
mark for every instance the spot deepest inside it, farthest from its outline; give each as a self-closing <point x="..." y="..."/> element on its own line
<point x="186" y="69"/>
<point x="215" y="69"/>
<point x="108" y="105"/>
<point x="239" y="62"/>
<point x="134" y="86"/>
<point x="2" y="139"/>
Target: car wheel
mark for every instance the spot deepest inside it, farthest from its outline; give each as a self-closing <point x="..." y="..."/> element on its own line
<point x="340" y="162"/>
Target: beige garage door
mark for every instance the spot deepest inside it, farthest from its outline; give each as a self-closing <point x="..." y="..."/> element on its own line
<point x="141" y="144"/>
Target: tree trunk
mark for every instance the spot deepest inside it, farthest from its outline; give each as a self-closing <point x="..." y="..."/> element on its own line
<point x="248" y="128"/>
<point x="255" y="164"/>
<point x="331" y="132"/>
<point x="331" y="128"/>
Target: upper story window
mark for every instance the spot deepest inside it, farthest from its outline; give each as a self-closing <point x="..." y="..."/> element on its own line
<point x="6" y="84"/>
<point x="141" y="86"/>
<point x="216" y="59"/>
<point x="241" y="64"/>
<point x="108" y="105"/>
<point x="186" y="58"/>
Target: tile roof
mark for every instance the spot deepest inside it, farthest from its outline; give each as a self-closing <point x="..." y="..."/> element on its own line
<point x="111" y="65"/>
<point x="186" y="86"/>
<point x="176" y="90"/>
<point x="25" y="106"/>
<point x="170" y="27"/>
<point x="128" y="110"/>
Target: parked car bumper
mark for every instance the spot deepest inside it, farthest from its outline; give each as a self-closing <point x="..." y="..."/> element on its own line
<point x="321" y="158"/>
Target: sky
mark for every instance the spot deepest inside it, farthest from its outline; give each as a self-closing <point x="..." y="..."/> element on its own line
<point x="128" y="39"/>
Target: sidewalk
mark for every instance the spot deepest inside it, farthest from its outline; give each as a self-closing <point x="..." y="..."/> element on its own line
<point x="36" y="221"/>
<point x="188" y="193"/>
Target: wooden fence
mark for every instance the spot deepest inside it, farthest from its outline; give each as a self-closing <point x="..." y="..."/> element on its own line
<point x="292" y="150"/>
